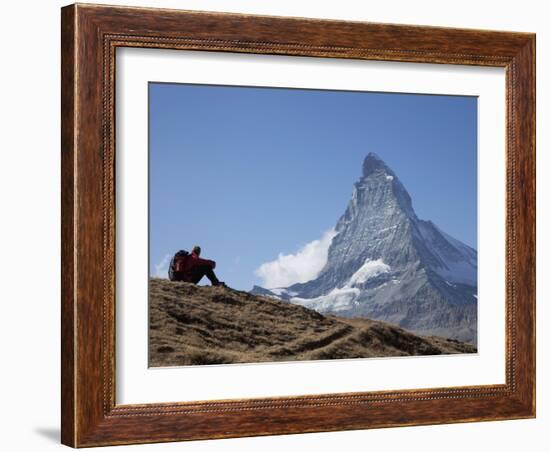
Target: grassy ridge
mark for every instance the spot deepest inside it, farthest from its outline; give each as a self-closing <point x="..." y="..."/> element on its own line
<point x="192" y="325"/>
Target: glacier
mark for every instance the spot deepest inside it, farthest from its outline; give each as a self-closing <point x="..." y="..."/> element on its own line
<point x="341" y="298"/>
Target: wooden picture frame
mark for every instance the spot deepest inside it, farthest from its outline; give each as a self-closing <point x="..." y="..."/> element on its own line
<point x="90" y="36"/>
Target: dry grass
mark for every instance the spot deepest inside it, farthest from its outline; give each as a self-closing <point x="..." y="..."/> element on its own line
<point x="192" y="324"/>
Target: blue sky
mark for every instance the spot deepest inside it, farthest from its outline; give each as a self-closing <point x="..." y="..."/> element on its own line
<point x="249" y="173"/>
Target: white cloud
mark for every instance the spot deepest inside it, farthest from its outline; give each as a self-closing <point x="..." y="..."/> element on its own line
<point x="300" y="267"/>
<point x="161" y="269"/>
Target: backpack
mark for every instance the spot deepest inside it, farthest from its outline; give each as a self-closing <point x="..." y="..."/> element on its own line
<point x="176" y="264"/>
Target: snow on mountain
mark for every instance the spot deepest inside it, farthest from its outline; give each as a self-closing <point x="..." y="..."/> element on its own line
<point x="281" y="291"/>
<point x="387" y="264"/>
<point x="343" y="298"/>
<point x="368" y="270"/>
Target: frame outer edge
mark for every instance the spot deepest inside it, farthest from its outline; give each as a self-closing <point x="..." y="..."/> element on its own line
<point x="68" y="242"/>
<point x="534" y="225"/>
<point x="525" y="62"/>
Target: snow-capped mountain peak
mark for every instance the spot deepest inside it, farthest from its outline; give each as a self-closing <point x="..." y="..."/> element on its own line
<point x="387" y="264"/>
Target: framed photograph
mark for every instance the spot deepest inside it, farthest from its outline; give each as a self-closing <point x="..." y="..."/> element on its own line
<point x="281" y="225"/>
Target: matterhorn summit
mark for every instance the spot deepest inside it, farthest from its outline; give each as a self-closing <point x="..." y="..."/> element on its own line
<point x="386" y="264"/>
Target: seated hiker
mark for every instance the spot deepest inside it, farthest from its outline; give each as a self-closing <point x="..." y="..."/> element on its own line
<point x="191" y="267"/>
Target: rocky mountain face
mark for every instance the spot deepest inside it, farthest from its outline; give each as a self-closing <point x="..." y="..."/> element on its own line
<point x="385" y="263"/>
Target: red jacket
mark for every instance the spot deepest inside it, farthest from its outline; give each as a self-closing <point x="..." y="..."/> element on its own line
<point x="192" y="262"/>
<point x="186" y="267"/>
<point x="195" y="261"/>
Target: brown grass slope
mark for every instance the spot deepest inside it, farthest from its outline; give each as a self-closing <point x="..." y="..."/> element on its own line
<point x="191" y="324"/>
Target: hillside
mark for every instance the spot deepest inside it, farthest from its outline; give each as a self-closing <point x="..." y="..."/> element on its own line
<point x="192" y="324"/>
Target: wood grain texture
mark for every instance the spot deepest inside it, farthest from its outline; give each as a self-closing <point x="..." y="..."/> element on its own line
<point x="67" y="224"/>
<point x="90" y="36"/>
